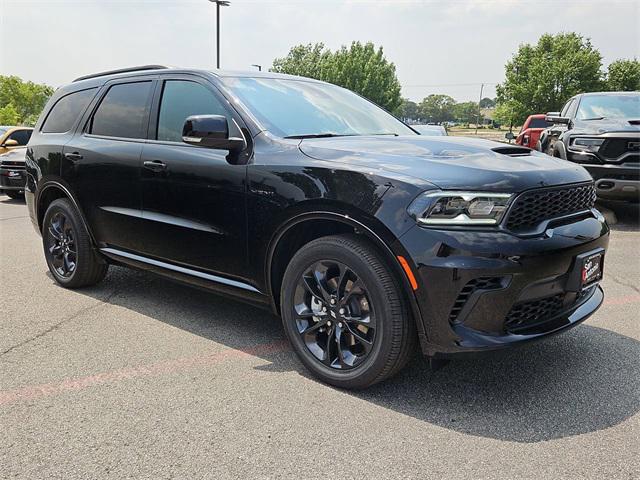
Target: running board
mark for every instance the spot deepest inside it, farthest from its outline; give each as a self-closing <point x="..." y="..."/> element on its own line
<point x="183" y="270"/>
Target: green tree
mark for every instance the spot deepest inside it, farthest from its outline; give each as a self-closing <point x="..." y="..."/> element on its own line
<point x="541" y="77"/>
<point x="361" y="68"/>
<point x="437" y="108"/>
<point x="487" y="102"/>
<point x="624" y="75"/>
<point x="408" y="110"/>
<point x="26" y="99"/>
<point x="9" y="115"/>
<point x="466" y="112"/>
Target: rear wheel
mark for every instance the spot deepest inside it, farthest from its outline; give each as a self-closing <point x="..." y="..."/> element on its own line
<point x="68" y="249"/>
<point x="344" y="312"/>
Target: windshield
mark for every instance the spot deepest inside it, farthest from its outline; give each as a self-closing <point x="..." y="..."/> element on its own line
<point x="297" y="108"/>
<point x="609" y="106"/>
<point x="3" y="130"/>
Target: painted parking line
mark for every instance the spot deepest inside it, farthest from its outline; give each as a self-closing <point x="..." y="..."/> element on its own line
<point x="34" y="392"/>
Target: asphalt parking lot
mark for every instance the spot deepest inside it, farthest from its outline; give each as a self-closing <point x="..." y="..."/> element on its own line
<point x="142" y="378"/>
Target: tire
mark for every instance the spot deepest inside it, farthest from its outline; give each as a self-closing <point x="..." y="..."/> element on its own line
<point x="15" y="194"/>
<point x="68" y="249"/>
<point x="368" y="316"/>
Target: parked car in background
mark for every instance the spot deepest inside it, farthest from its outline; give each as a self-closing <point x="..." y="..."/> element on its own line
<point x="14" y="137"/>
<point x="601" y="132"/>
<point x="12" y="172"/>
<point x="305" y="198"/>
<point x="431" y="130"/>
<point x="531" y="130"/>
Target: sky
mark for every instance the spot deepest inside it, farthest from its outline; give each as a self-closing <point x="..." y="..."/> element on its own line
<point x="438" y="46"/>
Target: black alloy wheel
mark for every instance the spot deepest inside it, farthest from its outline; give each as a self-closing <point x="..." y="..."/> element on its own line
<point x="62" y="249"/>
<point x="334" y="316"/>
<point x="68" y="248"/>
<point x="345" y="312"/>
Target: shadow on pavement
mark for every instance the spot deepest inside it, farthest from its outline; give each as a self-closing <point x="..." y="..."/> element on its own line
<point x="579" y="382"/>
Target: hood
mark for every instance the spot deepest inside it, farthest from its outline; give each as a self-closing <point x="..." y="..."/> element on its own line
<point x="607" y="125"/>
<point x="449" y="162"/>
<point x="14" y="155"/>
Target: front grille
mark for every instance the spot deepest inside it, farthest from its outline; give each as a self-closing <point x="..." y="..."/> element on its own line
<point x="480" y="283"/>
<point x="613" y="148"/>
<point x="528" y="314"/>
<point x="12" y="165"/>
<point x="533" y="207"/>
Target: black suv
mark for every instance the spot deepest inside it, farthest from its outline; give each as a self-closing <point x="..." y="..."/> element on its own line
<point x="600" y="131"/>
<point x="305" y="198"/>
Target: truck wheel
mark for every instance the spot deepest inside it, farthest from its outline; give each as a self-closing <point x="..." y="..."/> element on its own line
<point x="344" y="312"/>
<point x="68" y="249"/>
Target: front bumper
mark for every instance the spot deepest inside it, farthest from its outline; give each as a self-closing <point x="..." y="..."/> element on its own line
<point x="12" y="179"/>
<point x="472" y="285"/>
<point x="616" y="182"/>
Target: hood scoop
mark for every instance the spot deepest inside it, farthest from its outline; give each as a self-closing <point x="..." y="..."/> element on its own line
<point x="513" y="151"/>
<point x="634" y="122"/>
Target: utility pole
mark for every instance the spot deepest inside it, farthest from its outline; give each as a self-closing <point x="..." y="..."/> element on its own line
<point x="219" y="3"/>
<point x="478" y="115"/>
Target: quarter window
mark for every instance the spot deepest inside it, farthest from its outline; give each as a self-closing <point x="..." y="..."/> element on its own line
<point x="123" y="111"/>
<point x="66" y="111"/>
<point x="181" y="99"/>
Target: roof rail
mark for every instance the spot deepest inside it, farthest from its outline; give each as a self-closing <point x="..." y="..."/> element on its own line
<point x="121" y="70"/>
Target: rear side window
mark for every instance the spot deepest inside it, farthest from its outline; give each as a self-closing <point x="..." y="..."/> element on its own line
<point x="123" y="111"/>
<point x="66" y="111"/>
<point x="181" y="99"/>
<point x="539" y="123"/>
<point x="21" y="136"/>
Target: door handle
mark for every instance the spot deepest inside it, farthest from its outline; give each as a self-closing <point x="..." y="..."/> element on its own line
<point x="74" y="156"/>
<point x="155" y="165"/>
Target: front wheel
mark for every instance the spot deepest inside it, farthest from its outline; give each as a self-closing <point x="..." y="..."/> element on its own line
<point x="344" y="312"/>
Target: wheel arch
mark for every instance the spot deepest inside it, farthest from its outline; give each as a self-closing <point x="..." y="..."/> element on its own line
<point x="50" y="191"/>
<point x="304" y="227"/>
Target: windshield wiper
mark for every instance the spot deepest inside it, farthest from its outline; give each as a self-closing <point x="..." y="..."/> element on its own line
<point x="594" y="118"/>
<point x="320" y="135"/>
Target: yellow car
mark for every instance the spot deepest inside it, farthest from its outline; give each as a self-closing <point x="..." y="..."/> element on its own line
<point x="13" y="137"/>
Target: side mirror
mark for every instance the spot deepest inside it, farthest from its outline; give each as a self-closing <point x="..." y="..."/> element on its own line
<point x="10" y="143"/>
<point x="210" y="131"/>
<point x="554" y="117"/>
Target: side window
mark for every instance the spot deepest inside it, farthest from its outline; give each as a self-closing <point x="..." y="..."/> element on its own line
<point x="181" y="99"/>
<point x="21" y="136"/>
<point x="67" y="110"/>
<point x="567" y="106"/>
<point x="123" y="111"/>
<point x="571" y="112"/>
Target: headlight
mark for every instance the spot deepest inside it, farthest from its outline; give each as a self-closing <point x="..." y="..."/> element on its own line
<point x="459" y="208"/>
<point x="587" y="144"/>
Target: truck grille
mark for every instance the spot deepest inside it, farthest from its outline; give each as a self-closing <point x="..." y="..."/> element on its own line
<point x="614" y="148"/>
<point x="533" y="207"/>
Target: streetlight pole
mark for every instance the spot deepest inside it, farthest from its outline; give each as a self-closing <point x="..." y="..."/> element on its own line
<point x="478" y="115"/>
<point x="219" y="3"/>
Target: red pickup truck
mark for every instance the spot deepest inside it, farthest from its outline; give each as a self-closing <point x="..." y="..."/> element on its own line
<point x="531" y="130"/>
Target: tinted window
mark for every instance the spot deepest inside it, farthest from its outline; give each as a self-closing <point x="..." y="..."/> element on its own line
<point x="21" y="136"/>
<point x="66" y="111"/>
<point x="180" y="99"/>
<point x="123" y="111"/>
<point x="609" y="106"/>
<point x="539" y="123"/>
<point x="566" y="107"/>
